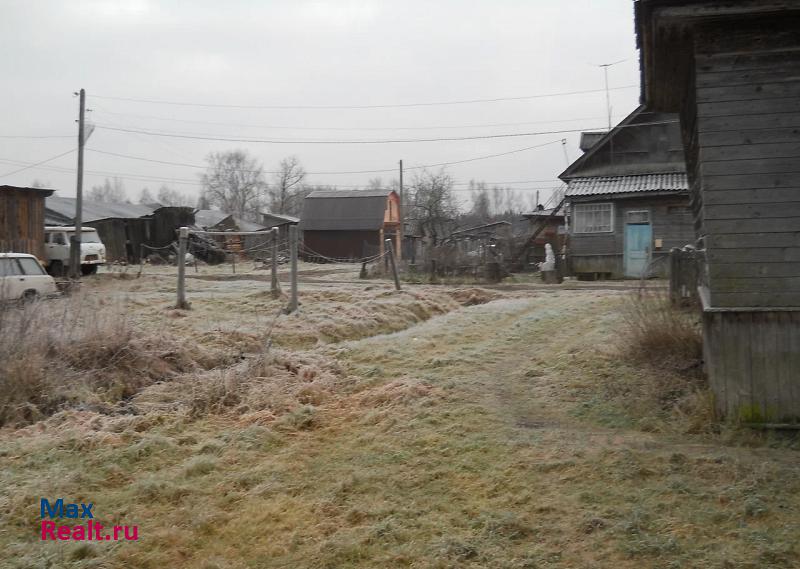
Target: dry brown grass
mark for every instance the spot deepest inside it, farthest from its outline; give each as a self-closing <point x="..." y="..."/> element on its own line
<point x="79" y="352"/>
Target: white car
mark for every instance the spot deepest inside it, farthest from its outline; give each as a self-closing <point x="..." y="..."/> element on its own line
<point x="22" y="276"/>
<point x="56" y="249"/>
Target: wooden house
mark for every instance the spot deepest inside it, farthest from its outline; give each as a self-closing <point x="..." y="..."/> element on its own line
<point x="732" y="72"/>
<point x="349" y="224"/>
<point x="628" y="199"/>
<point x="548" y="225"/>
<point x="22" y="220"/>
<point x="282" y="221"/>
<point x="215" y="220"/>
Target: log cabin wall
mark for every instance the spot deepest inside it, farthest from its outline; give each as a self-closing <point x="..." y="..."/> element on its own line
<point x="747" y="92"/>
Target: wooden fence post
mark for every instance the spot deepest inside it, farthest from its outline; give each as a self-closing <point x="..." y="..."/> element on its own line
<point x="141" y="259"/>
<point x="275" y="287"/>
<point x="182" y="240"/>
<point x="293" y="253"/>
<point x="393" y="264"/>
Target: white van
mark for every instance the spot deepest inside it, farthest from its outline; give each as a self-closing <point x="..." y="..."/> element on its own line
<point x="56" y="250"/>
<point x="21" y="276"/>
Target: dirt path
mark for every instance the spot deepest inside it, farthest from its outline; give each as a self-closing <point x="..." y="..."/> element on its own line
<point x="478" y="438"/>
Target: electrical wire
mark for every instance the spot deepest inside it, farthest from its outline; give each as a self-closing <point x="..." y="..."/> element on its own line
<point x="341" y="107"/>
<point x="35" y="164"/>
<point x="347" y="129"/>
<point x="37" y="136"/>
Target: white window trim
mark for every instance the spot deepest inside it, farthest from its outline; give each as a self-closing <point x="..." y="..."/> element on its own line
<point x="630" y="211"/>
<point x="575" y="214"/>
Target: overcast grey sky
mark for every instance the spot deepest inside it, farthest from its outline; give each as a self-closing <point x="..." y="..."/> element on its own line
<point x="308" y="53"/>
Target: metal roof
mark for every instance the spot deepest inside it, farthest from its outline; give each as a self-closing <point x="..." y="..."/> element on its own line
<point x="349" y="194"/>
<point x="206" y="218"/>
<point x="61" y="211"/>
<point x="281" y="218"/>
<point x="604" y="185"/>
<point x="356" y="210"/>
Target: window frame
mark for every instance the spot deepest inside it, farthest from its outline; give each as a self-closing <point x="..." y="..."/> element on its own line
<point x="577" y="210"/>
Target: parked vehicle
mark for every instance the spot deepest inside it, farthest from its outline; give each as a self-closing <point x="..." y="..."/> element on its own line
<point x="23" y="277"/>
<point x="56" y="250"/>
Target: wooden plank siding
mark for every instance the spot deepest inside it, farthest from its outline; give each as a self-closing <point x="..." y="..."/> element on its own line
<point x="747" y="143"/>
<point x="22" y="220"/>
<point x="671" y="221"/>
<point x="754" y="364"/>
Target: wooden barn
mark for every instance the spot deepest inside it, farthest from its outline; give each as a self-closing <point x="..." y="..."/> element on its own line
<point x="628" y="199"/>
<point x="281" y="221"/>
<point x="548" y="224"/>
<point x="732" y="72"/>
<point x="349" y="224"/>
<point x="215" y="220"/>
<point x="22" y="220"/>
<point x="122" y="228"/>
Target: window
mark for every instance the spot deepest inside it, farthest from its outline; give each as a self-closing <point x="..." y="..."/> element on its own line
<point x="637" y="217"/>
<point x="30" y="266"/>
<point x="58" y="239"/>
<point x="9" y="267"/>
<point x="593" y="218"/>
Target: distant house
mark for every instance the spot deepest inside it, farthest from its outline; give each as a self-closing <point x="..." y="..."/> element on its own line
<point x="628" y="199"/>
<point x="123" y="228"/>
<point x="215" y="220"/>
<point x="22" y="219"/>
<point x="550" y="227"/>
<point x="349" y="224"/>
<point x="281" y="221"/>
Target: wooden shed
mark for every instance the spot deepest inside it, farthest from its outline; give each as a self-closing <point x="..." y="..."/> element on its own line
<point x="628" y="199"/>
<point x="123" y="228"/>
<point x="349" y="224"/>
<point x="22" y="220"/>
<point x="732" y="71"/>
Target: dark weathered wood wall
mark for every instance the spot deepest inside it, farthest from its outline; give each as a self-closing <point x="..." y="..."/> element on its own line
<point x="753" y="364"/>
<point x="744" y="149"/>
<point x="22" y="222"/>
<point x="670" y="218"/>
<point x="341" y="244"/>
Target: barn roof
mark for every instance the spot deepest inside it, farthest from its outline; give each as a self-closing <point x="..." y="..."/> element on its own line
<point x="60" y="211"/>
<point x="358" y="210"/>
<point x="206" y="218"/>
<point x="604" y="185"/>
<point x="43" y="191"/>
<point x="281" y="218"/>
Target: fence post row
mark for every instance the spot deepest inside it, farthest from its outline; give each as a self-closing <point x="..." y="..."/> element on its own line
<point x="183" y="239"/>
<point x="393" y="264"/>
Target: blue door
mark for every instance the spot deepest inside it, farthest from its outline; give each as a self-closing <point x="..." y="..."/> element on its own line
<point x="638" y="237"/>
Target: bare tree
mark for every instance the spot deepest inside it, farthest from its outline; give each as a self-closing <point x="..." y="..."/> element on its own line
<point x="169" y="197"/>
<point x="481" y="203"/>
<point x="109" y="192"/>
<point x="145" y="197"/>
<point x="432" y="203"/>
<point x="37" y="183"/>
<point x="234" y="182"/>
<point x="375" y="184"/>
<point x="286" y="194"/>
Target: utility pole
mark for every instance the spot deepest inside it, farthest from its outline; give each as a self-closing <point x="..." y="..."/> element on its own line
<point x="75" y="241"/>
<point x="400" y="215"/>
<point x="605" y="67"/>
<point x="564" y="147"/>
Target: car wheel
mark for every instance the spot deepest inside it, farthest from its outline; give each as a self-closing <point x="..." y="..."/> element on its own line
<point x="88" y="269"/>
<point x="29" y="295"/>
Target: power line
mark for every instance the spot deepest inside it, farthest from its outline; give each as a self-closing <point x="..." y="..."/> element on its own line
<point x="375" y="141"/>
<point x="37" y="136"/>
<point x="35" y="164"/>
<point x="341" y="107"/>
<point x="347" y="129"/>
<point x="390" y="170"/>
